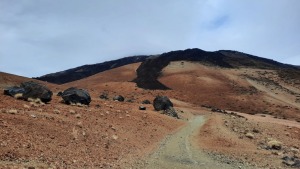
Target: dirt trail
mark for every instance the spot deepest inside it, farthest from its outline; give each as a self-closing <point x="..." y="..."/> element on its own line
<point x="178" y="151"/>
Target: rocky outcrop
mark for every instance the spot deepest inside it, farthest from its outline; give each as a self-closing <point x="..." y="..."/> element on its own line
<point x="74" y="96"/>
<point x="34" y="90"/>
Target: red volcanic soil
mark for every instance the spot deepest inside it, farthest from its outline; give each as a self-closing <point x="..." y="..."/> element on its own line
<point x="252" y="91"/>
<point x="104" y="134"/>
<point x="110" y="134"/>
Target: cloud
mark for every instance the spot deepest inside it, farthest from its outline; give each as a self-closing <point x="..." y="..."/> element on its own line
<point x="39" y="37"/>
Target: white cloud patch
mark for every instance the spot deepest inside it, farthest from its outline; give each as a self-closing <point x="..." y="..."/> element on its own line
<point x="39" y="37"/>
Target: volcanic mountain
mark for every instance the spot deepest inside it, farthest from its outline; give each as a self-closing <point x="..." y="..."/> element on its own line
<point x="236" y="111"/>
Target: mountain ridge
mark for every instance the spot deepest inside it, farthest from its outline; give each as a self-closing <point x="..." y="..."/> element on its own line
<point x="150" y="70"/>
<point x="84" y="71"/>
<point x="155" y="63"/>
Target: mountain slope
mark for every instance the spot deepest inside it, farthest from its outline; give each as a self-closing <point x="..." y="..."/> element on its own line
<point x="88" y="70"/>
<point x="150" y="69"/>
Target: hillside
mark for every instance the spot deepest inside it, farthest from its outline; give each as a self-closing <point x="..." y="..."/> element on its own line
<point x="150" y="69"/>
<point x="232" y="107"/>
<point x="88" y="70"/>
<point x="153" y="64"/>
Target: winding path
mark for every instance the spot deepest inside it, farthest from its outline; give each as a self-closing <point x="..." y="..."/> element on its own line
<point x="177" y="151"/>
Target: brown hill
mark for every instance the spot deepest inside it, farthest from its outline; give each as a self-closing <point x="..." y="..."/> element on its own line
<point x="110" y="134"/>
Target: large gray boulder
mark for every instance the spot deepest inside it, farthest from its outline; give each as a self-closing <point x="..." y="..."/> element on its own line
<point x="162" y="103"/>
<point x="73" y="96"/>
<point x="12" y="91"/>
<point x="36" y="90"/>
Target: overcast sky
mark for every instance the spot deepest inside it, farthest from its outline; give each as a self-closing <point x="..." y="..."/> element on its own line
<point x="45" y="36"/>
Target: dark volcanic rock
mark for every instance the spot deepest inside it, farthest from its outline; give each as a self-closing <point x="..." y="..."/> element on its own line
<point x="104" y="96"/>
<point x="146" y="102"/>
<point x="142" y="108"/>
<point x="119" y="98"/>
<point x="162" y="103"/>
<point x="36" y="90"/>
<point x="12" y="91"/>
<point x="74" y="95"/>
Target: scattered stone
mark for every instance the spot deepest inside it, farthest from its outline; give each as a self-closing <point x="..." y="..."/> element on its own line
<point x="274" y="144"/>
<point x="250" y="135"/>
<point x="76" y="96"/>
<point x="291" y="161"/>
<point x="104" y="96"/>
<point x="78" y="116"/>
<point x="130" y="101"/>
<point x="146" y="102"/>
<point x="56" y="111"/>
<point x="26" y="106"/>
<point x="115" y="137"/>
<point x="294" y="150"/>
<point x="142" y="108"/>
<point x="12" y="111"/>
<point x="119" y="98"/>
<point x="33" y="116"/>
<point x="72" y="111"/>
<point x="216" y="110"/>
<point x="36" y="90"/>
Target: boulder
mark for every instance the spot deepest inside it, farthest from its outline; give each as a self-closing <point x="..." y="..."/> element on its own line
<point x="104" y="96"/>
<point x="119" y="98"/>
<point x="12" y="91"/>
<point x="146" y="102"/>
<point x="162" y="103"/>
<point x="73" y="96"/>
<point x="142" y="108"/>
<point x="36" y="90"/>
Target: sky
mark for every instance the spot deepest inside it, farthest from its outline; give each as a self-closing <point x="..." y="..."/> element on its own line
<point x="38" y="37"/>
